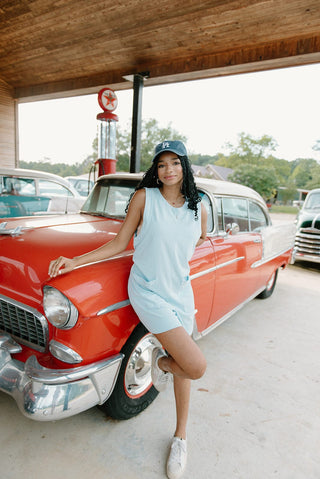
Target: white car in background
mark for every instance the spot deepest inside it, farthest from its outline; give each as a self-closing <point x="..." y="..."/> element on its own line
<point x="82" y="184"/>
<point x="29" y="192"/>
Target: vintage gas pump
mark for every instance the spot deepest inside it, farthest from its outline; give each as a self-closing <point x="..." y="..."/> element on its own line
<point x="108" y="101"/>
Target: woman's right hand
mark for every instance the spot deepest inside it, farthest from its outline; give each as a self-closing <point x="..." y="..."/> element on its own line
<point x="67" y="265"/>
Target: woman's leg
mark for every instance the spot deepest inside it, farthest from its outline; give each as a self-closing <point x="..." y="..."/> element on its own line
<point x="182" y="397"/>
<point x="185" y="357"/>
<point x="185" y="362"/>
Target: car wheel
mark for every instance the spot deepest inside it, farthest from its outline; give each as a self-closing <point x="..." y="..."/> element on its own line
<point x="266" y="293"/>
<point x="133" y="391"/>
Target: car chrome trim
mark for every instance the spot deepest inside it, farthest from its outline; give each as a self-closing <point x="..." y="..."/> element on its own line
<point x="137" y="377"/>
<point x="214" y="268"/>
<point x="114" y="307"/>
<point x="315" y="232"/>
<point x="306" y="257"/>
<point x="64" y="353"/>
<point x="61" y="376"/>
<point x="197" y="334"/>
<point x="10" y="232"/>
<point x="15" y="329"/>
<point x="315" y="219"/>
<point x="263" y="261"/>
<point x="73" y="313"/>
<point x="46" y="394"/>
<point x="9" y="345"/>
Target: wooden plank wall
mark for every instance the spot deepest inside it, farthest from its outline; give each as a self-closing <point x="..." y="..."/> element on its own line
<point x="7" y="127"/>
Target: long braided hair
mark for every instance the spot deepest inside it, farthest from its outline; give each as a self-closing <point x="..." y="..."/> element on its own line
<point x="188" y="188"/>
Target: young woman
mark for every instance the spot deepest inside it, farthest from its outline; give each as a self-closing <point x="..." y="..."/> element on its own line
<point x="168" y="221"/>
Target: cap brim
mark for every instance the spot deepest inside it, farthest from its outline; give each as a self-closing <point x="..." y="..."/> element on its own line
<point x="172" y="150"/>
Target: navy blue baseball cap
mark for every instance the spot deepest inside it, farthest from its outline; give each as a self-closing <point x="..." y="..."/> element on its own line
<point x="176" y="146"/>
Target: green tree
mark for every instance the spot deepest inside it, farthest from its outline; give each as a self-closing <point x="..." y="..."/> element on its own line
<point x="289" y="193"/>
<point x="302" y="173"/>
<point x="315" y="181"/>
<point x="260" y="178"/>
<point x="249" y="150"/>
<point x="61" y="169"/>
<point x="281" y="167"/>
<point x="151" y="134"/>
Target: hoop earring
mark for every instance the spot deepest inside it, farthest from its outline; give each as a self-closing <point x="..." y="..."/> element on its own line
<point x="158" y="181"/>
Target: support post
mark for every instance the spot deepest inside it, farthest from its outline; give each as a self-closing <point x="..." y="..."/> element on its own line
<point x="136" y="123"/>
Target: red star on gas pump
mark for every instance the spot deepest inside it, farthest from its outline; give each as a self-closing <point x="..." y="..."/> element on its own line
<point x="109" y="100"/>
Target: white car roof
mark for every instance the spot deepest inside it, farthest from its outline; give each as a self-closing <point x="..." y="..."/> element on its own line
<point x="216" y="187"/>
<point x="25" y="173"/>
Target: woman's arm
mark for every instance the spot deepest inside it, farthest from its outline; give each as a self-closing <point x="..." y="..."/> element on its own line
<point x="204" y="217"/>
<point x="113" y="247"/>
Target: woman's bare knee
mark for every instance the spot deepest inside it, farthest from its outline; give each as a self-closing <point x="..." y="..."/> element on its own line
<point x="198" y="369"/>
<point x="184" y="352"/>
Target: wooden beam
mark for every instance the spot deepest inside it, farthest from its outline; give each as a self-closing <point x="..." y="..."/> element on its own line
<point x="285" y="53"/>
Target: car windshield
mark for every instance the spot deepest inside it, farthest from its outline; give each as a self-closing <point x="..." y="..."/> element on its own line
<point x="313" y="200"/>
<point x="109" y="199"/>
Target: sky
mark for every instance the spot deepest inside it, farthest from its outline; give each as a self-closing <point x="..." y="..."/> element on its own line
<point x="282" y="103"/>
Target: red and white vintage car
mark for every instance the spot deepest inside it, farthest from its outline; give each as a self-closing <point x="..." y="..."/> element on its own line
<point x="73" y="342"/>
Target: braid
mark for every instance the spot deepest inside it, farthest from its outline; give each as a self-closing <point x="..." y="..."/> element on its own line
<point x="188" y="188"/>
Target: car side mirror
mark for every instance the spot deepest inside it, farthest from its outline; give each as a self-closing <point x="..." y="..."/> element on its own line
<point x="232" y="228"/>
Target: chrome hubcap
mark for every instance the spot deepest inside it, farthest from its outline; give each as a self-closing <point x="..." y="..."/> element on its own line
<point x="138" y="372"/>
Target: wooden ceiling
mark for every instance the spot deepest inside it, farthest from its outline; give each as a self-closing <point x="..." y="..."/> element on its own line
<point x="52" y="48"/>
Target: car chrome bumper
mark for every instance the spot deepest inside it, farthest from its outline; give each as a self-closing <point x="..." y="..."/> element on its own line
<point x="297" y="255"/>
<point x="46" y="394"/>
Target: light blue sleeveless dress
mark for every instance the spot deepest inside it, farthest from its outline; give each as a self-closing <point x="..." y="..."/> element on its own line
<point x="159" y="285"/>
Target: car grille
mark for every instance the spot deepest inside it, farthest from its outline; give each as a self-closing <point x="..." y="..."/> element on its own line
<point x="25" y="324"/>
<point x="308" y="241"/>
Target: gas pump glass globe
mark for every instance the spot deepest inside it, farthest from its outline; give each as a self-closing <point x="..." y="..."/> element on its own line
<point x="107" y="139"/>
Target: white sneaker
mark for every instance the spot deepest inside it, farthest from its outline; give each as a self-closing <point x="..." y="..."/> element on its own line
<point x="177" y="459"/>
<point x="159" y="378"/>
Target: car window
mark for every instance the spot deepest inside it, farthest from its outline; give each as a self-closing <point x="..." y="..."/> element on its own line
<point x="82" y="186"/>
<point x="218" y="202"/>
<point x="257" y="216"/>
<point x="19" y="186"/>
<point x="108" y="200"/>
<point x="313" y="201"/>
<point x="50" y="188"/>
<point x="235" y="210"/>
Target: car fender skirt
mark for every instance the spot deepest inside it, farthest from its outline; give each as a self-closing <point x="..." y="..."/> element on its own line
<point x="46" y="394"/>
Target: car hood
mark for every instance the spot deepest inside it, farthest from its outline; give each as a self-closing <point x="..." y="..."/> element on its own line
<point x="25" y="257"/>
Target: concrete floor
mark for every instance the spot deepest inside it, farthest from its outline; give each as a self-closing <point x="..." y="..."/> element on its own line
<point x="254" y="415"/>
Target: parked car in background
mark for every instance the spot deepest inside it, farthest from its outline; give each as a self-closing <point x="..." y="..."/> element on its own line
<point x="307" y="242"/>
<point x="30" y="192"/>
<point x="82" y="184"/>
<point x="72" y="342"/>
<point x="297" y="203"/>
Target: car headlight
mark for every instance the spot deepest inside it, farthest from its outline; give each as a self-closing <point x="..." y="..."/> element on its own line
<point x="58" y="309"/>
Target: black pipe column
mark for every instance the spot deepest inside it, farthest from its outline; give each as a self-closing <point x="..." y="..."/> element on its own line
<point x="136" y="122"/>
